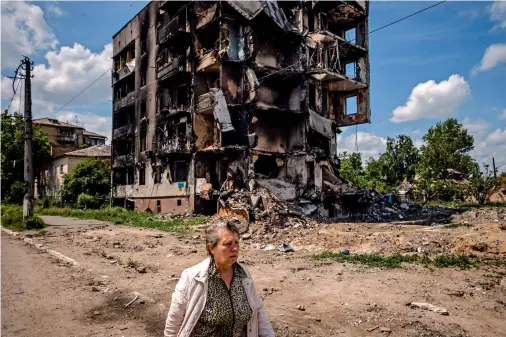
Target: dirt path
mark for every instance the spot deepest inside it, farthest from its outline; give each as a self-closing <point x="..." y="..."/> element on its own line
<point x="339" y="299"/>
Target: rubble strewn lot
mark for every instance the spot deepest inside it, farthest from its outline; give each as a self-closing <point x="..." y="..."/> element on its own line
<point x="307" y="295"/>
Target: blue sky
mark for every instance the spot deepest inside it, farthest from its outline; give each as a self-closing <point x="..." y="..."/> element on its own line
<point x="449" y="61"/>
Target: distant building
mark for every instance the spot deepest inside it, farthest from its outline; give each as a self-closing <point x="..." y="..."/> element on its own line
<point x="93" y="139"/>
<point x="52" y="173"/>
<point x="65" y="137"/>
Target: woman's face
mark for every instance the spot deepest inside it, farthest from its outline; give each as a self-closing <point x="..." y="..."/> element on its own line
<point x="226" y="251"/>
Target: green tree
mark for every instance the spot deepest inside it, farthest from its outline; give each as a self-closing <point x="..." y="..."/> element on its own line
<point x="481" y="184"/>
<point x="351" y="168"/>
<point x="399" y="161"/>
<point x="12" y="172"/>
<point x="447" y="150"/>
<point x="90" y="176"/>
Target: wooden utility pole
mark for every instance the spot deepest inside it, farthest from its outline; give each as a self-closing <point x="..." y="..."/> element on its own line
<point x="493" y="167"/>
<point x="28" y="199"/>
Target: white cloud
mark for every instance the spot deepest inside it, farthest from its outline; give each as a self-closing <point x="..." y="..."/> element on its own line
<point x="24" y="31"/>
<point x="370" y="145"/>
<point x="433" y="100"/>
<point x="54" y="9"/>
<point x="497" y="137"/>
<point x="503" y="115"/>
<point x="494" y="56"/>
<point x="476" y="127"/>
<point x="498" y="14"/>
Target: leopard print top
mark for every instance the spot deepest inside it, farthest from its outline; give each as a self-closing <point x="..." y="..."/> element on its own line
<point x="227" y="312"/>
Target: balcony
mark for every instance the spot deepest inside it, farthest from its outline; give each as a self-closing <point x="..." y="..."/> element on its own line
<point x="125" y="101"/>
<point x="66" y="139"/>
<point x="175" y="145"/>
<point x="128" y="69"/>
<point x="175" y="30"/>
<point x="125" y="130"/>
<point x="124" y="160"/>
<point x="171" y="67"/>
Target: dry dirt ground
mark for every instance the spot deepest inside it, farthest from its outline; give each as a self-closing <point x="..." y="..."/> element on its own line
<point x="118" y="263"/>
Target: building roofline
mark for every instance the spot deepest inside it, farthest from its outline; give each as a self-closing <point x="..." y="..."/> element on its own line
<point x="133" y="17"/>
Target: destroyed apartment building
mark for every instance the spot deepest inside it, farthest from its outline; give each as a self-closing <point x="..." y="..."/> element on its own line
<point x="214" y="95"/>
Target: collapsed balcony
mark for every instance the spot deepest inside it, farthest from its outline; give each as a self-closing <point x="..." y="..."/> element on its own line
<point x="124" y="64"/>
<point x="278" y="94"/>
<point x="124" y="122"/>
<point x="170" y="62"/>
<point x="332" y="59"/>
<point x="173" y="99"/>
<point x="172" y="134"/>
<point x="124" y="93"/>
<point x="173" y="28"/>
<point x="335" y="15"/>
<point x="124" y="160"/>
<point x="124" y="152"/>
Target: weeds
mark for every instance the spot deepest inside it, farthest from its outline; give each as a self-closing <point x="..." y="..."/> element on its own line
<point x="12" y="218"/>
<point x="395" y="261"/>
<point x="458" y="224"/>
<point x="132" y="263"/>
<point x="123" y="216"/>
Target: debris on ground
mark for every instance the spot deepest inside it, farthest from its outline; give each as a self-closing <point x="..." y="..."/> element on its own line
<point x="428" y="306"/>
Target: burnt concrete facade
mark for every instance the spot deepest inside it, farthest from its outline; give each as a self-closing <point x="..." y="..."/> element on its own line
<point x="257" y="88"/>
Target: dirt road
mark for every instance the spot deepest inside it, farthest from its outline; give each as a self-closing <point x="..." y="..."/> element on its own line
<point x="117" y="263"/>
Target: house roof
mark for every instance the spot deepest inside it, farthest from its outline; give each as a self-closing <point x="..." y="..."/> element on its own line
<point x="92" y="151"/>
<point x="93" y="134"/>
<point x="54" y="122"/>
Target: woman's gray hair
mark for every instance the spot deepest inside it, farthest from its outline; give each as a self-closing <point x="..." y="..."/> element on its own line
<point x="213" y="233"/>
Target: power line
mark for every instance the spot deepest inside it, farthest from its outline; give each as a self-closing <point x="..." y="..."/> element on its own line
<point x="14" y="95"/>
<point x="84" y="90"/>
<point x="407" y="16"/>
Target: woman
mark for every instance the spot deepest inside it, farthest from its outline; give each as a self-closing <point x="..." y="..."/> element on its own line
<point x="217" y="297"/>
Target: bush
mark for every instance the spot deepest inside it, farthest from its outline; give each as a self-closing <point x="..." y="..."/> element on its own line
<point x="16" y="193"/>
<point x="12" y="217"/>
<point x="47" y="202"/>
<point x="34" y="222"/>
<point x="86" y="201"/>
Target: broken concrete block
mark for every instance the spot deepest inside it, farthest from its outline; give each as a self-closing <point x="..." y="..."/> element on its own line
<point x="280" y="188"/>
<point x="254" y="199"/>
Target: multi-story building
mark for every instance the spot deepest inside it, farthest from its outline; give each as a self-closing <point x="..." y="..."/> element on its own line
<point x="257" y="87"/>
<point x="65" y="137"/>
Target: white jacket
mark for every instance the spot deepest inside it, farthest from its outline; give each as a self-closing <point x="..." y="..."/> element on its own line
<point x="189" y="300"/>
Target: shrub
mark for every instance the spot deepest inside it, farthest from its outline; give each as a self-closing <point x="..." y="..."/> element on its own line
<point x="16" y="193"/>
<point x="12" y="216"/>
<point x="86" y="201"/>
<point x="34" y="222"/>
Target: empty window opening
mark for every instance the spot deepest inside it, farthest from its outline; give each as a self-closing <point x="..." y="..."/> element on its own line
<point x="325" y="101"/>
<point x="158" y="175"/>
<point x="143" y="78"/>
<point x="311" y="21"/>
<point x="181" y="130"/>
<point x="130" y="175"/>
<point x="312" y="95"/>
<point x="179" y="203"/>
<point x="142" y="176"/>
<point x="310" y="172"/>
<point x="143" y="141"/>
<point x="351" y="70"/>
<point x="351" y="105"/>
<point x="179" y="171"/>
<point x="267" y="166"/>
<point x="143" y="109"/>
<point x="351" y="35"/>
<point x="158" y="206"/>
<point x="61" y="168"/>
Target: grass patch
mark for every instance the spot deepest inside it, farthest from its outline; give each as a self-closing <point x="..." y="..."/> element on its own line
<point x="395" y="261"/>
<point x="132" y="263"/>
<point x="12" y="218"/>
<point x="123" y="216"/>
<point x="458" y="224"/>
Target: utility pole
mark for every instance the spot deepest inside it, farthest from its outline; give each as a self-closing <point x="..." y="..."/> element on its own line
<point x="493" y="167"/>
<point x="28" y="199"/>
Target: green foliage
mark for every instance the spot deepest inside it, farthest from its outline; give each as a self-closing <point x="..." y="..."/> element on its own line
<point x="351" y="168"/>
<point x="457" y="225"/>
<point x="395" y="260"/>
<point x="12" y="218"/>
<point x="132" y="263"/>
<point x="481" y="183"/>
<point x="447" y="150"/>
<point x="123" y="216"/>
<point x="48" y="201"/>
<point x="90" y="176"/>
<point x="86" y="201"/>
<point x="12" y="155"/>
